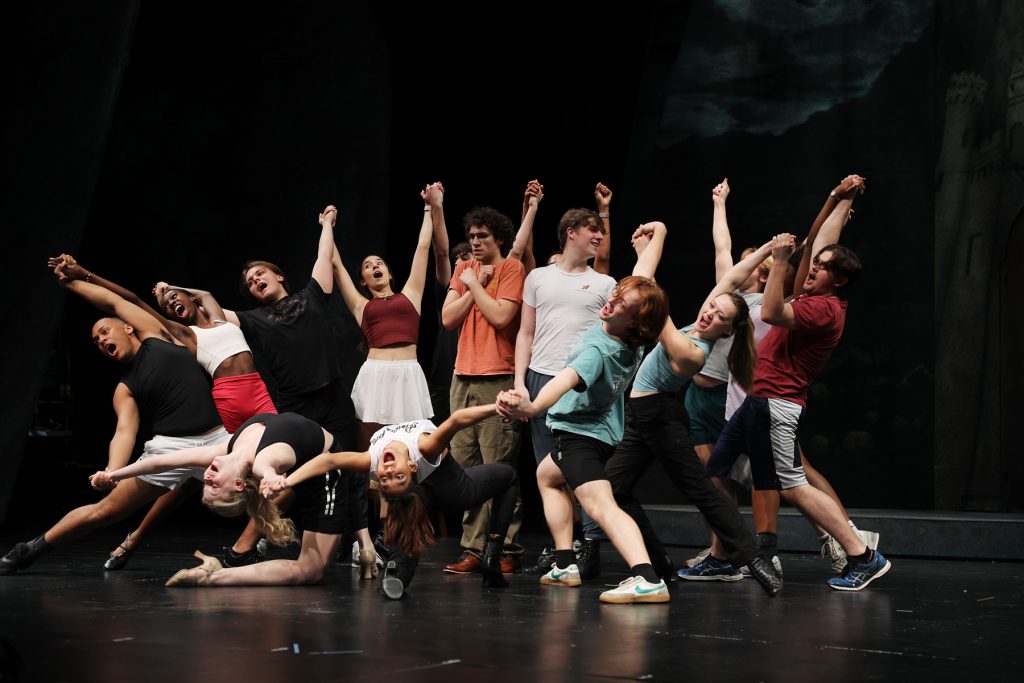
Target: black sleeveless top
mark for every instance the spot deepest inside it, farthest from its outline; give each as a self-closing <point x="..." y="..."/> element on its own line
<point x="304" y="436"/>
<point x="171" y="390"/>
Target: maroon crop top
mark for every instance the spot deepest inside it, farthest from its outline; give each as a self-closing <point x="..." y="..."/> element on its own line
<point x="392" y="320"/>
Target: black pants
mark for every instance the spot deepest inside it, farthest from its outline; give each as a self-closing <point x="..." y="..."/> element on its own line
<point x="450" y="488"/>
<point x="657" y="426"/>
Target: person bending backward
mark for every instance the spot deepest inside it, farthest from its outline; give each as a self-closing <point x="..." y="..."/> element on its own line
<point x="805" y="331"/>
<point x="585" y="412"/>
<point x="657" y="427"/>
<point x="163" y="388"/>
<point x="560" y="301"/>
<point x="221" y="349"/>
<point x="264" y="446"/>
<point x="291" y="336"/>
<point x="484" y="301"/>
<point x="826" y="229"/>
<point x="411" y="465"/>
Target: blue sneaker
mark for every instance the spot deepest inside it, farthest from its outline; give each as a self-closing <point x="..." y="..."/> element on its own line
<point x="859" y="575"/>
<point x="710" y="569"/>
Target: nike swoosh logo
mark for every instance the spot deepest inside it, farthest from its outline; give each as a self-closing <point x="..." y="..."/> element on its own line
<point x="644" y="591"/>
<point x="555" y="574"/>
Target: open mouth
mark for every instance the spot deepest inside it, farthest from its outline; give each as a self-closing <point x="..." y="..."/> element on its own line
<point x="388" y="458"/>
<point x="111" y="349"/>
<point x="179" y="310"/>
<point x="377" y="275"/>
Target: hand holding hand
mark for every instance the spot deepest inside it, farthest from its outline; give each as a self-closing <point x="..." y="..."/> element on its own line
<point x="273" y="485"/>
<point x="101" y="481"/>
<point x="514" y="405"/>
<point x="783" y="246"/>
<point x="433" y="195"/>
<point x="329" y="216"/>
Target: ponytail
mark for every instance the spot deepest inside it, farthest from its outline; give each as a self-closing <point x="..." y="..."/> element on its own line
<point x="279" y="530"/>
<point x="408" y="525"/>
<point x="743" y="354"/>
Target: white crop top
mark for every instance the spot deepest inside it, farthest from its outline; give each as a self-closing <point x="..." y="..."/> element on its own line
<point x="216" y="344"/>
<point x="407" y="433"/>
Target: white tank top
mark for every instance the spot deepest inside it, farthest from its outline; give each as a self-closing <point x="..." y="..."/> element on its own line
<point x="407" y="433"/>
<point x="216" y="344"/>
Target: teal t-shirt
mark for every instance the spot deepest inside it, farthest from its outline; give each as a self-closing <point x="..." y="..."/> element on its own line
<point x="656" y="373"/>
<point x="595" y="406"/>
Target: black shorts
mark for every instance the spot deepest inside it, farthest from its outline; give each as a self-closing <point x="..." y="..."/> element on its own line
<point x="581" y="458"/>
<point x="320" y="504"/>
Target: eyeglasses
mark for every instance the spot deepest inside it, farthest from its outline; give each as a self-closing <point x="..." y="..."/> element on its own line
<point x="478" y="236"/>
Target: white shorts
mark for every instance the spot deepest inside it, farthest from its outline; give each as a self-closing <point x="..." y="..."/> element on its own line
<point x="172" y="479"/>
<point x="390" y="392"/>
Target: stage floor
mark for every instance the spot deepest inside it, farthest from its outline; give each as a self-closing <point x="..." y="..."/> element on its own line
<point x="68" y="620"/>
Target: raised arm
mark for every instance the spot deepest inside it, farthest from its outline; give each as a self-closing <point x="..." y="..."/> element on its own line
<point x="413" y="289"/>
<point x="648" y="241"/>
<point x="522" y="246"/>
<point x="720" y="230"/>
<point x="433" y="444"/>
<point x="603" y="197"/>
<point x="323" y="269"/>
<point x="847" y="189"/>
<point x="735" y="276"/>
<point x="353" y="299"/>
<point x="205" y="299"/>
<point x="433" y="197"/>
<point x="145" y="324"/>
<point x="684" y="356"/>
<point x="774" y="309"/>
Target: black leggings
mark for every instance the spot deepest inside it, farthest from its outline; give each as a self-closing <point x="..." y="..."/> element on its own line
<point x="657" y="426"/>
<point x="450" y="488"/>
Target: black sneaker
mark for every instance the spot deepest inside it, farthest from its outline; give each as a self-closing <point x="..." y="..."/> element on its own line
<point x="545" y="561"/>
<point x="588" y="559"/>
<point x="252" y="556"/>
<point x="764" y="573"/>
<point x="665" y="568"/>
<point x="22" y="555"/>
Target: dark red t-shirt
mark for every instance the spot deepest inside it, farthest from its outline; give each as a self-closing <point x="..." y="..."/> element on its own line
<point x="788" y="360"/>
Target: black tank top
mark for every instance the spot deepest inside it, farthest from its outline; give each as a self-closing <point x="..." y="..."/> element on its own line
<point x="304" y="436"/>
<point x="172" y="391"/>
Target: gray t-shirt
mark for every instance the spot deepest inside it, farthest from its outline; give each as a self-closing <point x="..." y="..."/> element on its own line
<point x="717" y="366"/>
<point x="566" y="304"/>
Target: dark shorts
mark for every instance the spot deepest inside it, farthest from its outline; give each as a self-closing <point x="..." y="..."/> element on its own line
<point x="706" y="408"/>
<point x="581" y="458"/>
<point x="764" y="429"/>
<point x="320" y="504"/>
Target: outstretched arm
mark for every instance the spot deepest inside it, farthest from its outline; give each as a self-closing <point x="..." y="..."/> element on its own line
<point x="522" y="246"/>
<point x="413" y="289"/>
<point x="320" y="465"/>
<point x="145" y="324"/>
<point x="353" y="299"/>
<point x="200" y="456"/>
<point x="323" y="270"/>
<point x="433" y="196"/>
<point x="844" y="192"/>
<point x="648" y="241"/>
<point x="433" y="444"/>
<point x="736" y="275"/>
<point x="720" y="230"/>
<point x="517" y="404"/>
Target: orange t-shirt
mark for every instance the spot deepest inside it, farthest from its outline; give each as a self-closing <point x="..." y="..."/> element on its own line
<point x="484" y="350"/>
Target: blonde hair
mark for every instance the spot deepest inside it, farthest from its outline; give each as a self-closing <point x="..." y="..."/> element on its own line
<point x="279" y="530"/>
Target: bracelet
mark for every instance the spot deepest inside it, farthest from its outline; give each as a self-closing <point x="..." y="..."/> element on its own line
<point x="603" y="215"/>
<point x="832" y="194"/>
<point x="88" y="277"/>
<point x="426" y="209"/>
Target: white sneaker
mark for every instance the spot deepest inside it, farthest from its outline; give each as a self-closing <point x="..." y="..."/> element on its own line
<point x="832" y="551"/>
<point x="636" y="589"/>
<point x="698" y="558"/>
<point x="355" y="553"/>
<point x="562" y="577"/>
<point x="776" y="562"/>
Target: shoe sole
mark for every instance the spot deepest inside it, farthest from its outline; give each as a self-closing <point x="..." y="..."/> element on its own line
<point x="392" y="587"/>
<point x="630" y="599"/>
<point x="567" y="583"/>
<point x="747" y="575"/>
<point x="726" y="577"/>
<point x="880" y="573"/>
<point x="446" y="570"/>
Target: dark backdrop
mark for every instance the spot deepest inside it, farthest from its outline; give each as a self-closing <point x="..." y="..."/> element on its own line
<point x="173" y="141"/>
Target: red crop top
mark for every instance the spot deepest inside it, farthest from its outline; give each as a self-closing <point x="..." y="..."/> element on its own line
<point x="392" y="320"/>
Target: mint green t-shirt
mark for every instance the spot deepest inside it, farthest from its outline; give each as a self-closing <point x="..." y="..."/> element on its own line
<point x="595" y="406"/>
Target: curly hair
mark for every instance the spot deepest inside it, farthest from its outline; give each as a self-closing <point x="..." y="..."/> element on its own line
<point x="279" y="530"/>
<point x="498" y="223"/>
<point x="649" y="317"/>
<point x="408" y="525"/>
<point x="574" y="219"/>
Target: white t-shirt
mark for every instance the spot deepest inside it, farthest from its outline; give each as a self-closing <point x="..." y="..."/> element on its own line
<point x="407" y="433"/>
<point x="735" y="394"/>
<point x="566" y="305"/>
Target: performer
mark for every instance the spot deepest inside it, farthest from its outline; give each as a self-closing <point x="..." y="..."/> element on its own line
<point x="410" y="461"/>
<point x="162" y="387"/>
<point x="585" y="412"/>
<point x="221" y="349"/>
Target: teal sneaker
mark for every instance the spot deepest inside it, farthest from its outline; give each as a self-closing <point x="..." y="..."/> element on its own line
<point x="636" y="589"/>
<point x="570" y="576"/>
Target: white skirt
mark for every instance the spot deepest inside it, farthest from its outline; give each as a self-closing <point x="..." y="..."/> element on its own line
<point x="391" y="392"/>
